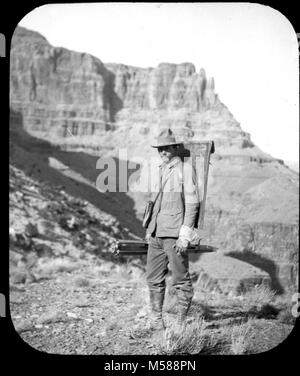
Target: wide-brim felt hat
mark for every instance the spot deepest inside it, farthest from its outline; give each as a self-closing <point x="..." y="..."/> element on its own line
<point x="165" y="138"/>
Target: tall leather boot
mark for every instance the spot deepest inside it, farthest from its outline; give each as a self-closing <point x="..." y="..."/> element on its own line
<point x="156" y="305"/>
<point x="183" y="308"/>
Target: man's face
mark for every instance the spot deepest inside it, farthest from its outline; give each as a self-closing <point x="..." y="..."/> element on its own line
<point x="167" y="152"/>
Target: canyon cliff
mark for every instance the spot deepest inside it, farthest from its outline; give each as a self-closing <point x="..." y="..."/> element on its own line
<point x="77" y="102"/>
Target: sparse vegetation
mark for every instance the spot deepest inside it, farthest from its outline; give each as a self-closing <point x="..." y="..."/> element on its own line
<point x="188" y="339"/>
<point x="116" y="308"/>
<point x="52" y="266"/>
<point x="258" y="297"/>
<point x="241" y="338"/>
<point x="129" y="272"/>
<point x="81" y="282"/>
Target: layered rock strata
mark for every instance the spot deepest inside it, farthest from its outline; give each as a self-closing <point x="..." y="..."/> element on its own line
<point x="67" y="95"/>
<point x="76" y="101"/>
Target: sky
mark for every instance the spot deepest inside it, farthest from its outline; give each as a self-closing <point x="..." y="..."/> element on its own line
<point x="251" y="50"/>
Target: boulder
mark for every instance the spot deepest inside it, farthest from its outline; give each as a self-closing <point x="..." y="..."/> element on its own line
<point x="43" y="250"/>
<point x="20" y="277"/>
<point x="225" y="274"/>
<point x="31" y="230"/>
<point x="23" y="241"/>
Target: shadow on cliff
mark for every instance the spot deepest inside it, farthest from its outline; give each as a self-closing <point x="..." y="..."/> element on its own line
<point x="31" y="155"/>
<point x="112" y="102"/>
<point x="263" y="263"/>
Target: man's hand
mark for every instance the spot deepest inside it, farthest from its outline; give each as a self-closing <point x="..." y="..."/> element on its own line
<point x="181" y="246"/>
<point x="147" y="238"/>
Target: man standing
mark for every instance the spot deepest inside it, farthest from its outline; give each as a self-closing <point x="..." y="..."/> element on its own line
<point x="170" y="229"/>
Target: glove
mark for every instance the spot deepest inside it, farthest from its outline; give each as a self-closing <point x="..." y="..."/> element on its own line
<point x="181" y="246"/>
<point x="186" y="233"/>
<point x="195" y="238"/>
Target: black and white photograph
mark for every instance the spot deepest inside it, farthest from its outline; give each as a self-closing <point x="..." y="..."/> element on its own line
<point x="153" y="180"/>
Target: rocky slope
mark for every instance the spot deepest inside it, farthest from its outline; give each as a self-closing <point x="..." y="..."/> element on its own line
<point x="81" y="104"/>
<point x="69" y="296"/>
<point x="46" y="221"/>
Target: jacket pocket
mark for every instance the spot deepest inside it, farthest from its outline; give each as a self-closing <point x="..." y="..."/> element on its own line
<point x="171" y="219"/>
<point x="172" y="211"/>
